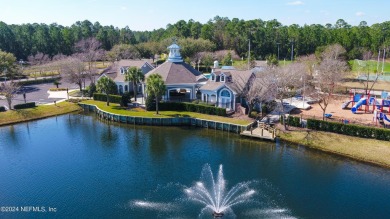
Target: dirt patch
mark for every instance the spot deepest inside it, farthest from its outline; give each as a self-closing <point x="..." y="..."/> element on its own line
<point x="338" y="114"/>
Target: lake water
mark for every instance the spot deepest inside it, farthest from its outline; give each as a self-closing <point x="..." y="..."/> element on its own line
<point x="77" y="166"/>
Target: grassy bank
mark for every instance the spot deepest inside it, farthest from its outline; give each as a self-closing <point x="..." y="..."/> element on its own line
<point x="367" y="150"/>
<point x="39" y="112"/>
<point x="116" y="109"/>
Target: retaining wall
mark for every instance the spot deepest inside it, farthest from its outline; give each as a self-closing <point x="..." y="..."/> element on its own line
<point x="175" y="121"/>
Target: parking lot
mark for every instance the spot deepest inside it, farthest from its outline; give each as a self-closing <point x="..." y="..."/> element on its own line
<point x="37" y="93"/>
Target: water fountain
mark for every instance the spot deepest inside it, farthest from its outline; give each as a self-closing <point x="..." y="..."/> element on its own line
<point x="214" y="195"/>
<point x="251" y="199"/>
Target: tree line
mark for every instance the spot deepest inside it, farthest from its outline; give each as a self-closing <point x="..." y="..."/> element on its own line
<point x="221" y="33"/>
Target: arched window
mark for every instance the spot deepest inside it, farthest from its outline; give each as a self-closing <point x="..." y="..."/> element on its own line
<point x="126" y="88"/>
<point x="225" y="93"/>
<point x="222" y="78"/>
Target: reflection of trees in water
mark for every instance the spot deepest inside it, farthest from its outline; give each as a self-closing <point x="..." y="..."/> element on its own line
<point x="158" y="142"/>
<point x="109" y="136"/>
<point x="13" y="136"/>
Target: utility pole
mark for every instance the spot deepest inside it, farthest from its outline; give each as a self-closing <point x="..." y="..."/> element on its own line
<point x="249" y="53"/>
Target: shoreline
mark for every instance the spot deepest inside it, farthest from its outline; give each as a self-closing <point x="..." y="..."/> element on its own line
<point x="373" y="154"/>
<point x="369" y="151"/>
<point x="37" y="113"/>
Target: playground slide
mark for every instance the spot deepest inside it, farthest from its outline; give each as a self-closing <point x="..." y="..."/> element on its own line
<point x="358" y="104"/>
<point x="345" y="105"/>
<point x="385" y="118"/>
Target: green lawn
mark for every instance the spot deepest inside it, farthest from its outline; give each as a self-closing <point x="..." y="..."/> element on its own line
<point x="371" y="66"/>
<point x="116" y="109"/>
<point x="368" y="150"/>
<point x="42" y="111"/>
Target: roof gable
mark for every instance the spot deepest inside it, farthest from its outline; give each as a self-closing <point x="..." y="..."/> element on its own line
<point x="176" y="73"/>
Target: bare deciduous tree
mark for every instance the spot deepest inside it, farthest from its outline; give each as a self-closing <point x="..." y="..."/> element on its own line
<point x="283" y="81"/>
<point x="366" y="67"/>
<point x="73" y="70"/>
<point x="89" y="51"/>
<point x="328" y="74"/>
<point x="9" y="89"/>
<point x="334" y="51"/>
<point x="38" y="59"/>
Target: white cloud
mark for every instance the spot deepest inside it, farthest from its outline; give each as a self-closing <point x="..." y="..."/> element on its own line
<point x="123" y="8"/>
<point x="296" y="3"/>
<point x="360" y="14"/>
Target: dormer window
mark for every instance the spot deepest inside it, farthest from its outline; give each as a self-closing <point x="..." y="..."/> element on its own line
<point x="122" y="71"/>
<point x="212" y="77"/>
<point x="222" y="78"/>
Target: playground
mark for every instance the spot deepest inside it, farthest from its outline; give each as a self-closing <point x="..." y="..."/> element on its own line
<point x="354" y="109"/>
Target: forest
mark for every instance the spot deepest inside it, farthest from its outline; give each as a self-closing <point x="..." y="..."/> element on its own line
<point x="219" y="33"/>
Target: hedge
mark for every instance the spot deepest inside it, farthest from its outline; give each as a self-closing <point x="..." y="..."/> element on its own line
<point x="2" y="109"/>
<point x="112" y="98"/>
<point x="189" y="107"/>
<point x="24" y="105"/>
<point x="58" y="89"/>
<point x="39" y="81"/>
<point x="349" y="129"/>
<point x="294" y="121"/>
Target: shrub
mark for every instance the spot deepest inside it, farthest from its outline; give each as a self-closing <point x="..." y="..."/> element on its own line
<point x="58" y="89"/>
<point x="190" y="107"/>
<point x="253" y="114"/>
<point x="150" y="103"/>
<point x="24" y="105"/>
<point x="349" y="129"/>
<point x="294" y="121"/>
<point x="74" y="100"/>
<point x="103" y="97"/>
<point x="126" y="99"/>
<point x="2" y="109"/>
<point x="91" y="89"/>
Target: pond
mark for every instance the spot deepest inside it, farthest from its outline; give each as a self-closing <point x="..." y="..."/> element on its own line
<point x="77" y="166"/>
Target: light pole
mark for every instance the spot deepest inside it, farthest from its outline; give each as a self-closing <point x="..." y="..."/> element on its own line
<point x="292" y="49"/>
<point x="303" y="91"/>
<point x="249" y="53"/>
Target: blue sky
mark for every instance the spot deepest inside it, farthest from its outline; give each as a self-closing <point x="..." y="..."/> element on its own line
<point x="154" y="14"/>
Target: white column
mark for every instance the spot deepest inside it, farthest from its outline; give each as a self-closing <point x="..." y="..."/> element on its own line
<point x="234" y="102"/>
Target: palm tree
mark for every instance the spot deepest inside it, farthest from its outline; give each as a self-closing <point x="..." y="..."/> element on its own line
<point x="134" y="75"/>
<point x="155" y="86"/>
<point x="106" y="85"/>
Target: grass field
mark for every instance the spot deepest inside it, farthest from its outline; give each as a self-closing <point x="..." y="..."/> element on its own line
<point x="39" y="112"/>
<point x="367" y="150"/>
<point x="116" y="109"/>
<point x="371" y="66"/>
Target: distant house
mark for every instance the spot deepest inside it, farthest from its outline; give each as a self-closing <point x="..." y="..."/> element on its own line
<point x="225" y="85"/>
<point x="181" y="80"/>
<point x="117" y="73"/>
